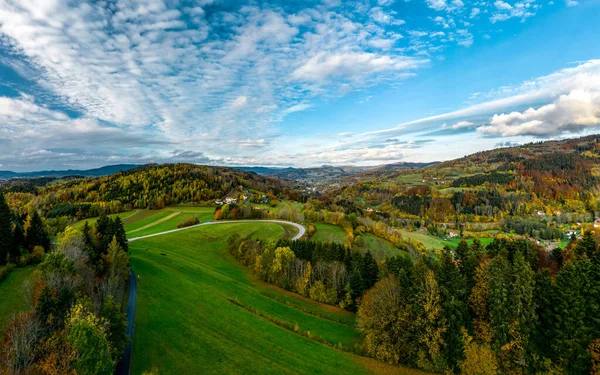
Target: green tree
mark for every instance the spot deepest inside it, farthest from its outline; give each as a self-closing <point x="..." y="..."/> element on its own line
<point x="572" y="330"/>
<point x="5" y="230"/>
<point x="369" y="270"/>
<point x="587" y="245"/>
<point x="512" y="308"/>
<point x="35" y="233"/>
<point x="87" y="336"/>
<point x="452" y="286"/>
<point x="117" y="325"/>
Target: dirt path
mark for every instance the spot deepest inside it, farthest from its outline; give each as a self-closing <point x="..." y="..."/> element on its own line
<point x="156" y="222"/>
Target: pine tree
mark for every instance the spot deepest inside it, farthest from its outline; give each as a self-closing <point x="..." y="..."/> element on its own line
<point x="543" y="335"/>
<point x="369" y="270"/>
<point x="5" y="230"/>
<point x="468" y="262"/>
<point x="587" y="245"/>
<point x="452" y="286"/>
<point x="357" y="284"/>
<point x="572" y="332"/>
<point x="35" y="234"/>
<point x="119" y="233"/>
<point x="18" y="238"/>
<point x="512" y="308"/>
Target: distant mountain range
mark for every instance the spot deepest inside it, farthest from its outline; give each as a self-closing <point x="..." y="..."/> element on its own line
<point x="328" y="172"/>
<point x="96" y="172"/>
<point x="323" y="173"/>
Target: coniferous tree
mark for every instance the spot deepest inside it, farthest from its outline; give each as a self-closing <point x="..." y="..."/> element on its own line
<point x="18" y="238"/>
<point x="452" y="286"/>
<point x="543" y="335"/>
<point x="369" y="270"/>
<point x="572" y="332"/>
<point x="35" y="234"/>
<point x="119" y="233"/>
<point x="357" y="284"/>
<point x="5" y="230"/>
<point x="587" y="245"/>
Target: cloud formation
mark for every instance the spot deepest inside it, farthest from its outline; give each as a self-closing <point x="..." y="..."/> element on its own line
<point x="221" y="82"/>
<point x="569" y="113"/>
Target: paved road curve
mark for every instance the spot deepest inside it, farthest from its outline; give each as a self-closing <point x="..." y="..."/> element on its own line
<point x="301" y="229"/>
<point x="124" y="366"/>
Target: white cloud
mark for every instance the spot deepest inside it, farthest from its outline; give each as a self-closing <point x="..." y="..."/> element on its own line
<point x="475" y="12"/>
<point x="240" y="101"/>
<point x="502" y="5"/>
<point x="296" y="108"/>
<point x="522" y="9"/>
<point x="572" y="112"/>
<point x="462" y="124"/>
<point x="437" y="4"/>
<point x="584" y="77"/>
<point x="180" y="71"/>
<point x="571" y="3"/>
<point x="354" y="65"/>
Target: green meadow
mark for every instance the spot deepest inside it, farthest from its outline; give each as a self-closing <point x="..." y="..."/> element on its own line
<point x="379" y="247"/>
<point x="143" y="222"/>
<point x="199" y="311"/>
<point x="12" y="294"/>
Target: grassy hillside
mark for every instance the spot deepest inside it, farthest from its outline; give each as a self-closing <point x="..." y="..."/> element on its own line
<point x="203" y="313"/>
<point x="12" y="294"/>
<point x="379" y="247"/>
<point x="143" y="222"/>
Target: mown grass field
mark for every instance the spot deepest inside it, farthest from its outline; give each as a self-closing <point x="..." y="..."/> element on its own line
<point x="143" y="222"/>
<point x="186" y="322"/>
<point x="379" y="247"/>
<point x="12" y="294"/>
<point x="434" y="243"/>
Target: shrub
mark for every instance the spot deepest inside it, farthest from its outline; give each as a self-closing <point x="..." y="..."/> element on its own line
<point x="37" y="254"/>
<point x="24" y="260"/>
<point x="189" y="222"/>
<point x="5" y="270"/>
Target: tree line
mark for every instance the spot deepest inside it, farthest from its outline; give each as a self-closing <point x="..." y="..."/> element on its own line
<point x="23" y="238"/>
<point x="326" y="272"/>
<point x="76" y="323"/>
<point x="508" y="308"/>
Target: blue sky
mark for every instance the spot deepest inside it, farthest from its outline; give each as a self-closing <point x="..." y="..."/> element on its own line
<point x="302" y="83"/>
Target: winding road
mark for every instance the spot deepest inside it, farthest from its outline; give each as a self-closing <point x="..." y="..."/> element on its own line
<point x="301" y="229"/>
<point x="124" y="366"/>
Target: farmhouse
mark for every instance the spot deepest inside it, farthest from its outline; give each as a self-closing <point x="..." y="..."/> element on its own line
<point x="219" y="202"/>
<point x="597" y="223"/>
<point x="229" y="200"/>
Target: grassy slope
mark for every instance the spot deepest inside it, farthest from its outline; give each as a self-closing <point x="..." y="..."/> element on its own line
<point x="379" y="247"/>
<point x="186" y="324"/>
<point x="142" y="222"/>
<point x="12" y="296"/>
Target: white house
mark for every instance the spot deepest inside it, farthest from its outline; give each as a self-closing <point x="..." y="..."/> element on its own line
<point x="229" y="200"/>
<point x="597" y="223"/>
<point x="452" y="234"/>
<point x="219" y="202"/>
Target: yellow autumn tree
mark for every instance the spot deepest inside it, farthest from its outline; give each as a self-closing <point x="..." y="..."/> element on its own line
<point x="479" y="358"/>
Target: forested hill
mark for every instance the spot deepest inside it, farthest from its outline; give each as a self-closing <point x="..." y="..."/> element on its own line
<point x="552" y="169"/>
<point x="152" y="186"/>
<point x="552" y="176"/>
<point x="96" y="172"/>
